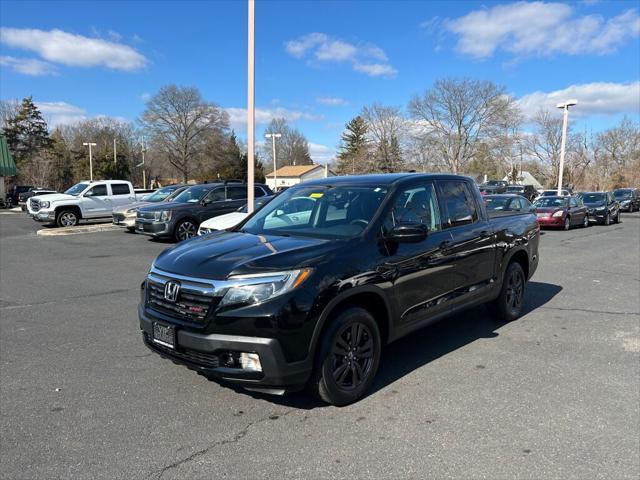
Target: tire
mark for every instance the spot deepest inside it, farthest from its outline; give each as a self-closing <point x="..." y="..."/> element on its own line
<point x="185" y="229"/>
<point x="585" y="222"/>
<point x="67" y="218"/>
<point x="617" y="217"/>
<point x="567" y="223"/>
<point x="607" y="219"/>
<point x="508" y="306"/>
<point x="348" y="358"/>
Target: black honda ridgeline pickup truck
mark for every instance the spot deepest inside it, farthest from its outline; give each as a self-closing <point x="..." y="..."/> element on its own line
<point x="307" y="290"/>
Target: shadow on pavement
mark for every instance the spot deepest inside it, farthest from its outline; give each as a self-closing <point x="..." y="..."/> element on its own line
<point x="427" y="344"/>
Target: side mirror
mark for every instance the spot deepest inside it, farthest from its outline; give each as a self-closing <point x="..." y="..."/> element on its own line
<point x="88" y="194"/>
<point x="408" y="233"/>
<point x="205" y="201"/>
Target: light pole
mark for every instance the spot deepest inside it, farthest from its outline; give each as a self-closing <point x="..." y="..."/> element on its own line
<point x="250" y="102"/>
<point x="141" y="164"/>
<point x="565" y="106"/>
<point x="89" y="144"/>
<point x="273" y="137"/>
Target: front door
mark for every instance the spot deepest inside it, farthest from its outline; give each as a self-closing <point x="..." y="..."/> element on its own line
<point x="420" y="272"/>
<point x="96" y="202"/>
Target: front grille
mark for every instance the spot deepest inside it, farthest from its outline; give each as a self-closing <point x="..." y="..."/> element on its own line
<point x="35" y="204"/>
<point x="190" y="306"/>
<point x="208" y="360"/>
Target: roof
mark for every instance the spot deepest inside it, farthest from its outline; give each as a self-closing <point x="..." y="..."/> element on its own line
<point x="382" y="178"/>
<point x="7" y="165"/>
<point x="294" y="170"/>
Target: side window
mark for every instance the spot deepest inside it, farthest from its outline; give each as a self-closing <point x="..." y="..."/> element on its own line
<point x="573" y="202"/>
<point x="258" y="192"/>
<point x="98" y="191"/>
<point x="216" y="195"/>
<point x="236" y="193"/>
<point x="415" y="205"/>
<point x="120" y="189"/>
<point x="459" y="206"/>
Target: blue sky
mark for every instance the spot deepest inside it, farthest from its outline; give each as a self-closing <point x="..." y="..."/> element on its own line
<point x="317" y="62"/>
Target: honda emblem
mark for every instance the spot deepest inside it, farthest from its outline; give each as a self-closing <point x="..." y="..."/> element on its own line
<point x="171" y="291"/>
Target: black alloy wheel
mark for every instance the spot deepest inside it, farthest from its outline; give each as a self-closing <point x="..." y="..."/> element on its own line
<point x="348" y="358"/>
<point x="508" y="305"/>
<point x="185" y="230"/>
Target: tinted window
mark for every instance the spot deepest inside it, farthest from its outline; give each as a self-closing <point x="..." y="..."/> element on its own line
<point x="415" y="205"/>
<point x="193" y="194"/>
<point x="216" y="195"/>
<point x="258" y="192"/>
<point x="120" y="189"/>
<point x="236" y="193"/>
<point x="459" y="206"/>
<point x="99" y="191"/>
<point x="573" y="202"/>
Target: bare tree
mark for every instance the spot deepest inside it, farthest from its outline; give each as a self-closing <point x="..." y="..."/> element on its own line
<point x="545" y="142"/>
<point x="457" y="115"/>
<point x="292" y="148"/>
<point x="178" y="121"/>
<point x="385" y="128"/>
<point x="8" y="110"/>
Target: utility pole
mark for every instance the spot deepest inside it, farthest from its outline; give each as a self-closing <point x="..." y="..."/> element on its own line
<point x="565" y="106"/>
<point x="250" y="102"/>
<point x="141" y="164"/>
<point x="114" y="151"/>
<point x="273" y="137"/>
<point x="89" y="144"/>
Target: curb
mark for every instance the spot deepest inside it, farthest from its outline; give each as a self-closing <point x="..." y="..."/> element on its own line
<point x="58" y="232"/>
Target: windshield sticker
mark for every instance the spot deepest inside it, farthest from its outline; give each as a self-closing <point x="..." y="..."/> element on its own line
<point x="316" y="195"/>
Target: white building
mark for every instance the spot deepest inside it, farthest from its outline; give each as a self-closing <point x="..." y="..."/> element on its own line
<point x="290" y="175"/>
<point x="525" y="178"/>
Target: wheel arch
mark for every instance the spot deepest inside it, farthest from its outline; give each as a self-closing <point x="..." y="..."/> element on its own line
<point x="74" y="208"/>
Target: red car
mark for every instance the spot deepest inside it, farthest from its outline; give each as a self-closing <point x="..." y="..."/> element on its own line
<point x="561" y="212"/>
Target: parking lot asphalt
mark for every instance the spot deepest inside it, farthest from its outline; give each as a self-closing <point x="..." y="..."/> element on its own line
<point x="555" y="394"/>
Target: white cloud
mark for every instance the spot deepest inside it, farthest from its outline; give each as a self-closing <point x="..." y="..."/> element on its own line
<point x="333" y="101"/>
<point x="598" y="98"/>
<point x="321" y="153"/>
<point x="540" y="29"/>
<point x="59" y="113"/>
<point x="238" y="116"/>
<point x="28" y="66"/>
<point x="319" y="47"/>
<point x="65" y="48"/>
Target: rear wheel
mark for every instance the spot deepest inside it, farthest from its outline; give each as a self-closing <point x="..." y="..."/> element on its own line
<point x="185" y="230"/>
<point x="348" y="358"/>
<point x="66" y="218"/>
<point x="508" y="305"/>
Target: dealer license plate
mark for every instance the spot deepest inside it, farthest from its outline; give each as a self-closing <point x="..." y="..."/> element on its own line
<point x="164" y="335"/>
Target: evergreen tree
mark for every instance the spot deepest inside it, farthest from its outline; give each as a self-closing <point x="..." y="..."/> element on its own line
<point x="353" y="150"/>
<point x="62" y="162"/>
<point x="395" y="155"/>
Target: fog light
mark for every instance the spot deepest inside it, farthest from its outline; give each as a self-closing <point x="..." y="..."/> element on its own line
<point x="250" y="361"/>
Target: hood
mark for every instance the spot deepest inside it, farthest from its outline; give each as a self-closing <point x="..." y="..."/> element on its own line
<point x="159" y="206"/>
<point x="124" y="208"/>
<point x="594" y="204"/>
<point x="218" y="255"/>
<point x="548" y="209"/>
<point x="55" y="197"/>
<point x="222" y="222"/>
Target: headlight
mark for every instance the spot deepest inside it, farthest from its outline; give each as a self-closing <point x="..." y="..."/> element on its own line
<point x="600" y="209"/>
<point x="163" y="216"/>
<point x="251" y="289"/>
<point x="132" y="210"/>
<point x="45" y="204"/>
<point x="559" y="213"/>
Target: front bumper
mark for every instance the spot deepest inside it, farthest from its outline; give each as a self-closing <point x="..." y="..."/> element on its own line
<point x="551" y="221"/>
<point x="598" y="215"/>
<point x="152" y="227"/>
<point x="122" y="220"/>
<point x="44" y="217"/>
<point x="201" y="352"/>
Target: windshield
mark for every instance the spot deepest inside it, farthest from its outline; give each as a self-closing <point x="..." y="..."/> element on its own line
<point x="258" y="204"/>
<point x="496" y="203"/>
<point x="515" y="189"/>
<point x="550" y="202"/>
<point x="622" y="193"/>
<point x="160" y="195"/>
<point x="77" y="189"/>
<point x="192" y="194"/>
<point x="342" y="211"/>
<point x="494" y="183"/>
<point x="593" y="197"/>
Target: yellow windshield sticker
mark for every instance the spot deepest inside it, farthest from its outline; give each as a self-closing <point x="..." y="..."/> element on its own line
<point x="316" y="195"/>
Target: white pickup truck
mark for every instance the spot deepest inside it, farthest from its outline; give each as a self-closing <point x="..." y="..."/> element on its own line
<point x="85" y="200"/>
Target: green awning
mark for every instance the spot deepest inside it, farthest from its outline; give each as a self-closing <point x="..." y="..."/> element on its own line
<point x="7" y="165"/>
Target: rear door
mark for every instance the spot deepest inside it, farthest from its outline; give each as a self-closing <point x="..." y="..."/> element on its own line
<point x="236" y="197"/>
<point x="472" y="239"/>
<point x="121" y="194"/>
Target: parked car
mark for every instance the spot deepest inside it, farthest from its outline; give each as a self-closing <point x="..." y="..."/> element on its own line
<point x="24" y="197"/>
<point x="13" y="194"/>
<point x="85" y="200"/>
<point x="629" y="199"/>
<point x="125" y="216"/>
<point x="603" y="207"/>
<point x="278" y="304"/>
<point x="228" y="220"/>
<point x="180" y="219"/>
<point x="507" y="203"/>
<point x="562" y="212"/>
<point x="527" y="191"/>
<point x="554" y="193"/>
<point x="492" y="187"/>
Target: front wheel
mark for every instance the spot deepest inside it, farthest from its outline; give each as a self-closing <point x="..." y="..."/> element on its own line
<point x="508" y="306"/>
<point x="617" y="217"/>
<point x="567" y="223"/>
<point x="607" y="219"/>
<point x="585" y="222"/>
<point x="185" y="230"/>
<point x="66" y="218"/>
<point x="348" y="358"/>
